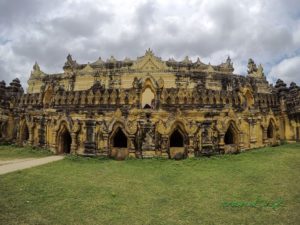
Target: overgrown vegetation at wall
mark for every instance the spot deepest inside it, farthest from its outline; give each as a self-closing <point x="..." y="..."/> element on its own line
<point x="10" y="151"/>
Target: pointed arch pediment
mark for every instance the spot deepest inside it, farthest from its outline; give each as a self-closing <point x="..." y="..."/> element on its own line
<point x="149" y="62"/>
<point x="87" y="69"/>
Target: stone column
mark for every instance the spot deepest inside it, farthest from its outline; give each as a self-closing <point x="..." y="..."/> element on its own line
<point x="42" y="132"/>
<point x="74" y="142"/>
<point x="240" y="142"/>
<point x="54" y="141"/>
<point x="165" y="146"/>
<point x="191" y="152"/>
<point x="131" y="148"/>
<point x="105" y="150"/>
<point x="222" y="143"/>
<point x="89" y="144"/>
<point x="265" y="138"/>
<point x="31" y="133"/>
<point x="252" y="132"/>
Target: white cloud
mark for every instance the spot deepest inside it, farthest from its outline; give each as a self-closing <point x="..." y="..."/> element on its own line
<point x="46" y="31"/>
<point x="287" y="70"/>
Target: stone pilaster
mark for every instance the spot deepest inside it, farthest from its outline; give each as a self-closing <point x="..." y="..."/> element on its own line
<point x="222" y="143"/>
<point x="131" y="148"/>
<point x="89" y="144"/>
<point x="191" y="152"/>
<point x="74" y="142"/>
<point x="105" y="150"/>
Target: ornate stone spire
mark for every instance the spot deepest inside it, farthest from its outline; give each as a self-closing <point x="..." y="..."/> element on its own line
<point x="2" y="84"/>
<point x="228" y="61"/>
<point x="251" y="66"/>
<point x="36" y="72"/>
<point x="210" y="69"/>
<point x="149" y="52"/>
<point x="253" y="71"/>
<point x="186" y="60"/>
<point x="111" y="60"/>
<point x="70" y="63"/>
<point x="99" y="62"/>
<point x="36" y="67"/>
<point x="227" y="66"/>
<point x="260" y="71"/>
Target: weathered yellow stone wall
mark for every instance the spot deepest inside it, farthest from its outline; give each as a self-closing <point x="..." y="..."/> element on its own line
<point x="214" y="111"/>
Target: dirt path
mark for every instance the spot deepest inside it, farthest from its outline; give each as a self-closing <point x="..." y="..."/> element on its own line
<point x="9" y="166"/>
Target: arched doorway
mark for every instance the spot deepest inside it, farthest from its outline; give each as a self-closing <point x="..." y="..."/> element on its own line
<point x="231" y="139"/>
<point x="148" y="99"/>
<point x="176" y="139"/>
<point x="260" y="135"/>
<point x="229" y="136"/>
<point x="64" y="141"/>
<point x="177" y="150"/>
<point x="270" y="131"/>
<point x="24" y="134"/>
<point x="119" y="145"/>
<point x="120" y="139"/>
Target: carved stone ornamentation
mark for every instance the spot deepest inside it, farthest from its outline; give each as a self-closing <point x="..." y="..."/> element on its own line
<point x="149" y="107"/>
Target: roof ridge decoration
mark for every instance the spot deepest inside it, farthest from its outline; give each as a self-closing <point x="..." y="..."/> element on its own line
<point x="149" y="62"/>
<point x="70" y="64"/>
<point x="87" y="69"/>
<point x="98" y="62"/>
<point x="254" y="71"/>
<point x="36" y="72"/>
<point x="112" y="59"/>
<point x="210" y="68"/>
<point x="186" y="60"/>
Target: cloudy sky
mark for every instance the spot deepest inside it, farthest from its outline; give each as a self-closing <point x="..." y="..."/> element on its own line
<point x="46" y="31"/>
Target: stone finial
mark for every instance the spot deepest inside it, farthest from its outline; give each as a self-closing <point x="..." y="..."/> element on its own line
<point x="260" y="71"/>
<point x="228" y="65"/>
<point x="36" y="67"/>
<point x="99" y="62"/>
<point x="186" y="60"/>
<point x="69" y="58"/>
<point x="228" y="62"/>
<point x="15" y="83"/>
<point x="280" y="83"/>
<point x="2" y="84"/>
<point x="111" y="60"/>
<point x="251" y="66"/>
<point x="70" y="63"/>
<point x="149" y="52"/>
<point x="36" y="72"/>
<point x="293" y="85"/>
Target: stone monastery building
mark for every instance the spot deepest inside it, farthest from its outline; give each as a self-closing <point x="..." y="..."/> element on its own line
<point x="149" y="108"/>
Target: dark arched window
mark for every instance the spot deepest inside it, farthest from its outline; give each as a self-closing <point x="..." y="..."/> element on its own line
<point x="176" y="139"/>
<point x="270" y="131"/>
<point x="120" y="139"/>
<point x="230" y="136"/>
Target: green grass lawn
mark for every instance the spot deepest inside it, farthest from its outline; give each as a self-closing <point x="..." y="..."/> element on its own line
<point x="257" y="187"/>
<point x="8" y="152"/>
